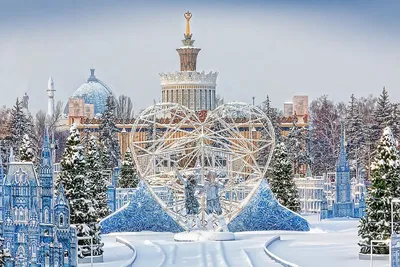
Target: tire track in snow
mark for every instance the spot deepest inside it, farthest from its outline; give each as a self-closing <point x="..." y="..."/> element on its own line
<point x="159" y="248"/>
<point x="221" y="255"/>
<point x="247" y="257"/>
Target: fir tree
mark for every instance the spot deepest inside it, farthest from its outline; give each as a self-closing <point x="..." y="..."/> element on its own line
<point x="274" y="117"/>
<point x="72" y="177"/>
<point x="395" y="120"/>
<point x="355" y="133"/>
<point x="95" y="180"/>
<point x="382" y="115"/>
<point x="281" y="179"/>
<point x="19" y="127"/>
<point x="128" y="177"/>
<point x="26" y="152"/>
<point x="108" y="136"/>
<point x="385" y="186"/>
<point x="97" y="191"/>
<point x="296" y="144"/>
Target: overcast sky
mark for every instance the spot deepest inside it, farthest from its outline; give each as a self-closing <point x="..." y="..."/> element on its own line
<point x="275" y="48"/>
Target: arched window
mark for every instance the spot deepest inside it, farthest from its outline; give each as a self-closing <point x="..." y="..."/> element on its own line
<point x="21" y="251"/>
<point x="21" y="214"/>
<point x="21" y="237"/>
<point x="33" y="250"/>
<point x="16" y="214"/>
<point x="46" y="216"/>
<point x="61" y="219"/>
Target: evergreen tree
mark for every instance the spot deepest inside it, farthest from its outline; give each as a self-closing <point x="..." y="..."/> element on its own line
<point x="128" y="177"/>
<point x="18" y="128"/>
<point x="382" y="113"/>
<point x="72" y="177"/>
<point x="274" y="117"/>
<point x="108" y="135"/>
<point x="385" y="186"/>
<point x="355" y="133"/>
<point x="26" y="152"/>
<point x="281" y="179"/>
<point x="296" y="144"/>
<point x="95" y="181"/>
<point x="97" y="192"/>
<point x="395" y="120"/>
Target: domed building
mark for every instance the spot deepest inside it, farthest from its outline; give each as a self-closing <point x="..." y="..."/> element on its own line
<point x="94" y="92"/>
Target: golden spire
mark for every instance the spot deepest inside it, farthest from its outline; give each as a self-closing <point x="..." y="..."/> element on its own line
<point x="188" y="16"/>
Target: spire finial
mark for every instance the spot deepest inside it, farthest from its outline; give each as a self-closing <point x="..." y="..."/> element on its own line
<point x="188" y="35"/>
<point x="187" y="16"/>
<point x="92" y="78"/>
<point x="50" y="84"/>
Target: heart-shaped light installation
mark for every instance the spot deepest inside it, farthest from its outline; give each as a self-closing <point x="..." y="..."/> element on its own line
<point x="235" y="141"/>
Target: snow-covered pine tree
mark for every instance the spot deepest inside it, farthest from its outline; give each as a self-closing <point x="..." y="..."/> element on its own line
<point x="108" y="135"/>
<point x="395" y="120"/>
<point x="385" y="185"/>
<point x="128" y="177"/>
<point x="96" y="182"/>
<point x="274" y="117"/>
<point x="382" y="114"/>
<point x="281" y="179"/>
<point x="72" y="177"/>
<point x="26" y="152"/>
<point x="355" y="133"/>
<point x="296" y="147"/>
<point x="18" y="127"/>
<point x="97" y="191"/>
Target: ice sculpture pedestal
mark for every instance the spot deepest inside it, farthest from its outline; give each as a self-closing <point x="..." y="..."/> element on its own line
<point x="194" y="236"/>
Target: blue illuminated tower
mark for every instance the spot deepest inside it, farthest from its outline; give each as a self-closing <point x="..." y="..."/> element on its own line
<point x="46" y="181"/>
<point x="343" y="206"/>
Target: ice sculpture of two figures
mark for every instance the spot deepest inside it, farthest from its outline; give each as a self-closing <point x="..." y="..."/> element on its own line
<point x="210" y="189"/>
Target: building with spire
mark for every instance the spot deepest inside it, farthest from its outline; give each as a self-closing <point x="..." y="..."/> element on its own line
<point x="188" y="87"/>
<point x="345" y="204"/>
<point x="34" y="223"/>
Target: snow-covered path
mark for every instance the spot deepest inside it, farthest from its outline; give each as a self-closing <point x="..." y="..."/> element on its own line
<point x="160" y="250"/>
<point x="330" y="243"/>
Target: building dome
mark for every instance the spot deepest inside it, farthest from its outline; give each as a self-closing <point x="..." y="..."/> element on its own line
<point x="93" y="92"/>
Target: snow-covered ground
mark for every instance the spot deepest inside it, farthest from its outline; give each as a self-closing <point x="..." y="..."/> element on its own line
<point x="330" y="243"/>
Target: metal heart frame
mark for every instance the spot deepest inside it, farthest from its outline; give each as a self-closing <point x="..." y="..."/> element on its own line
<point x="235" y="141"/>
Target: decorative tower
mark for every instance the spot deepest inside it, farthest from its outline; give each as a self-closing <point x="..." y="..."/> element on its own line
<point x="195" y="90"/>
<point x="46" y="182"/>
<point x="50" y="94"/>
<point x="344" y="206"/>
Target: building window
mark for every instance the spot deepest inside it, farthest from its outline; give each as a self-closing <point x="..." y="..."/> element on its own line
<point x="33" y="249"/>
<point x="61" y="219"/>
<point x="21" y="215"/>
<point x="46" y="216"/>
<point x="20" y="237"/>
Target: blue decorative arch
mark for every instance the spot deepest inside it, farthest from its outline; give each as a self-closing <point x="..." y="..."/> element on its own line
<point x="264" y="213"/>
<point x="143" y="213"/>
